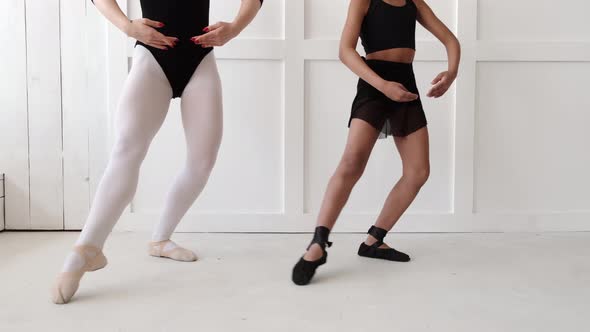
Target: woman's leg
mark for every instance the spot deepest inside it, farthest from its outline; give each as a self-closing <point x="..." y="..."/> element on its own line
<point x="142" y="109"/>
<point x="414" y="153"/>
<point x="202" y="119"/>
<point x="361" y="140"/>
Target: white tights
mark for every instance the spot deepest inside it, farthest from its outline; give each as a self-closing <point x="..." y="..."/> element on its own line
<point x="143" y="107"/>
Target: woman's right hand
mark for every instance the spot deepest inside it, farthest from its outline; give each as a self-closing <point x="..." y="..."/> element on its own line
<point x="397" y="92"/>
<point x="144" y="31"/>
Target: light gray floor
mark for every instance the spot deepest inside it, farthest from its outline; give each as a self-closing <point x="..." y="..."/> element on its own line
<point x="456" y="282"/>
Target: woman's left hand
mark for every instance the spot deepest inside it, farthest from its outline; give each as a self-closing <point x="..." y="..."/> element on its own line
<point x="441" y="83"/>
<point x="217" y="34"/>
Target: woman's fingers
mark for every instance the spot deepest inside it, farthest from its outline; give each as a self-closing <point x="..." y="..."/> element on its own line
<point x="407" y="96"/>
<point x="159" y="43"/>
<point x="411" y="96"/>
<point x="217" y="34"/>
<point x="206" y="42"/>
<point x="439" y="83"/>
<point x="401" y="86"/>
<point x="151" y="23"/>
<point x="432" y="92"/>
<point x="161" y="38"/>
<point x="212" y="27"/>
<point x="437" y="88"/>
<point x="172" y="40"/>
<point x="158" y="46"/>
<point x="206" y="39"/>
<point x="438" y="78"/>
<point x="437" y="92"/>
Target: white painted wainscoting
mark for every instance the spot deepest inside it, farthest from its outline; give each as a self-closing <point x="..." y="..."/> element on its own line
<point x="508" y="143"/>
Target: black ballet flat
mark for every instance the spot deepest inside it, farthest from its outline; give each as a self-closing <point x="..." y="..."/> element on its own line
<point x="304" y="270"/>
<point x="373" y="251"/>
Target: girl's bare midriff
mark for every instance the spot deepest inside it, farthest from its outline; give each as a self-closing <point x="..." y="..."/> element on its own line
<point x="403" y="55"/>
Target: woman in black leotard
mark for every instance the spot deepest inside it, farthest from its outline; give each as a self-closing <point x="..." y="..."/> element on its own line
<point x="173" y="58"/>
<point x="387" y="103"/>
<point x="173" y="44"/>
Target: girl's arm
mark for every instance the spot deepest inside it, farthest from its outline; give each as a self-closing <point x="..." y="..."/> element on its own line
<point x="220" y="33"/>
<point x="142" y="29"/>
<point x="428" y="19"/>
<point x="350" y="57"/>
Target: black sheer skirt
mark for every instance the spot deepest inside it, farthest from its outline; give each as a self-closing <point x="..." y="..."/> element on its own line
<point x="388" y="116"/>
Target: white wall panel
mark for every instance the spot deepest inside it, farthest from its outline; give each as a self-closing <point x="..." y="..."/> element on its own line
<point x="268" y="24"/>
<point x="533" y="20"/>
<point x="532" y="135"/>
<point x="248" y="177"/>
<point x="75" y="111"/>
<point x="134" y="9"/>
<point x="14" y="140"/>
<point x="446" y="11"/>
<point x="45" y="118"/>
<point x="330" y="88"/>
<point x="324" y="19"/>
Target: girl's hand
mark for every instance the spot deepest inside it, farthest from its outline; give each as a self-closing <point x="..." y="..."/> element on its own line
<point x="397" y="92"/>
<point x="217" y="34"/>
<point x="144" y="31"/>
<point x="441" y="83"/>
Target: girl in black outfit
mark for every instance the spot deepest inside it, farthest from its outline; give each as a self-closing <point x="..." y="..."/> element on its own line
<point x="387" y="103"/>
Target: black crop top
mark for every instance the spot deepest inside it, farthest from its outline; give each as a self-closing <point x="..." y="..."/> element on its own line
<point x="386" y="26"/>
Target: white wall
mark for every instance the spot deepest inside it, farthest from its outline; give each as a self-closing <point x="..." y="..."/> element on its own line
<point x="53" y="86"/>
<point x="2" y="221"/>
<point x="507" y="142"/>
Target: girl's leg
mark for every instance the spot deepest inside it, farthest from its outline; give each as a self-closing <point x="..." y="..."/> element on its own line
<point x="414" y="153"/>
<point x="142" y="108"/>
<point x="202" y="119"/>
<point x="361" y="140"/>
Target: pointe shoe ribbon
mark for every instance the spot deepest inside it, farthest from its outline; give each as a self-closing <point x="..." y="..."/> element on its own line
<point x="67" y="283"/>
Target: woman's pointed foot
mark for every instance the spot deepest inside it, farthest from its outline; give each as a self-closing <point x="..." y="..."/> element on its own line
<point x="305" y="269"/>
<point x="68" y="281"/>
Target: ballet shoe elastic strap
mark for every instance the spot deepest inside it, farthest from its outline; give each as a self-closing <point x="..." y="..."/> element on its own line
<point x="378" y="233"/>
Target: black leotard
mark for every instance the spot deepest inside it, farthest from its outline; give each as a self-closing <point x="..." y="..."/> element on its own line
<point x="386" y="26"/>
<point x="182" y="19"/>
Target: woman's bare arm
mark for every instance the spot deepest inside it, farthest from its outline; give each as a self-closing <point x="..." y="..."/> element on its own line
<point x="428" y="19"/>
<point x="142" y="29"/>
